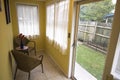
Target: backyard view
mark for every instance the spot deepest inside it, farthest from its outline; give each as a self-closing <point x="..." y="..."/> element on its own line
<point x="94" y="28"/>
<point x="91" y="60"/>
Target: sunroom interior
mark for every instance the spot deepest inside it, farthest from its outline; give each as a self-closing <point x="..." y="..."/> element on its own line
<point x="56" y="46"/>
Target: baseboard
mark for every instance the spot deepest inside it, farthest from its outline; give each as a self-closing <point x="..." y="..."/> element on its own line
<point x="53" y="60"/>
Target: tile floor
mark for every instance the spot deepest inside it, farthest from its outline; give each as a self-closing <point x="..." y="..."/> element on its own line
<point x="51" y="71"/>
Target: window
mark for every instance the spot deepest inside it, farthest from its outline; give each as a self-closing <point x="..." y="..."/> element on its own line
<point x="28" y="19"/>
<point x="50" y="22"/>
<point x="57" y="23"/>
<point x="61" y="24"/>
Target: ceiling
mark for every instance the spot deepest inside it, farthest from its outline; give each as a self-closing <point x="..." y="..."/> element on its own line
<point x="46" y="0"/>
<point x="41" y="0"/>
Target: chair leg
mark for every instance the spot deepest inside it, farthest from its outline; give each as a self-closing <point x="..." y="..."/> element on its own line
<point x="29" y="76"/>
<point x="35" y="52"/>
<point x="15" y="73"/>
<point x="42" y="67"/>
<point x="27" y="52"/>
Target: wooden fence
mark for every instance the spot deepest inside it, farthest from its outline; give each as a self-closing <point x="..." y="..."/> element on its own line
<point x="95" y="34"/>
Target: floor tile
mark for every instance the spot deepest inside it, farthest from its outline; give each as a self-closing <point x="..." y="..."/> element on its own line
<point x="51" y="71"/>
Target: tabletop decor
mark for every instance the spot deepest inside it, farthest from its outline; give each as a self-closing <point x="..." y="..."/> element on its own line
<point x="21" y="37"/>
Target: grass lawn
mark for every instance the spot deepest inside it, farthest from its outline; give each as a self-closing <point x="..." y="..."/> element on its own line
<point x="93" y="61"/>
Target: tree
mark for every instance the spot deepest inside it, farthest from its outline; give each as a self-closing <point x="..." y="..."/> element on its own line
<point x="96" y="11"/>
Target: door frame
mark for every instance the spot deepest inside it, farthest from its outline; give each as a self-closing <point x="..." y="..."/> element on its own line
<point x="75" y="32"/>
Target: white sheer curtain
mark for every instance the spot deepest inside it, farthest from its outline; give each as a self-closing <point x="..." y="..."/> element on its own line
<point x="61" y="24"/>
<point x="50" y="22"/>
<point x="28" y="19"/>
<point x="57" y="24"/>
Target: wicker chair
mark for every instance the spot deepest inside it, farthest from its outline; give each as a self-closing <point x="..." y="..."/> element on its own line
<point x="26" y="42"/>
<point x="25" y="62"/>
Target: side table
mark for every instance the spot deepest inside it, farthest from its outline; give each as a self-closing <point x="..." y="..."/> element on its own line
<point x="24" y="50"/>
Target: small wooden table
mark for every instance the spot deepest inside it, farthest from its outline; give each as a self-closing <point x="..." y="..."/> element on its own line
<point x="24" y="50"/>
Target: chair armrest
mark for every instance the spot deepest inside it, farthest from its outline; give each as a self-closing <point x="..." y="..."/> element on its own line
<point x="41" y="58"/>
<point x="34" y="43"/>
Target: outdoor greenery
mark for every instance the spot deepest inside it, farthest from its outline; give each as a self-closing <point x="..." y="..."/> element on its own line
<point x="96" y="11"/>
<point x="90" y="59"/>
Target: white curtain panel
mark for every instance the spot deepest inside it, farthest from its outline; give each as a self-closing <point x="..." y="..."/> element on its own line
<point x="50" y="22"/>
<point x="28" y="20"/>
<point x="57" y="24"/>
<point x="61" y="24"/>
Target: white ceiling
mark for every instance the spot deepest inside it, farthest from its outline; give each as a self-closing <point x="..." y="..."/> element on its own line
<point x="45" y="0"/>
<point x="41" y="0"/>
